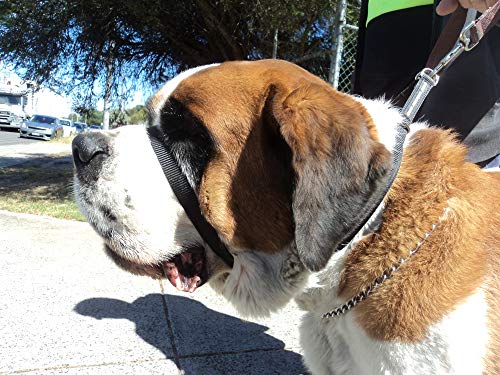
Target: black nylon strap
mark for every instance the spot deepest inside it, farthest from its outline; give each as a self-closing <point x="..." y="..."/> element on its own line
<point x="186" y="196"/>
<point x="374" y="202"/>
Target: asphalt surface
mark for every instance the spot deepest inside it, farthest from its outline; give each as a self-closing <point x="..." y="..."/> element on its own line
<point x="10" y="137"/>
<point x="65" y="308"/>
<point x="16" y="150"/>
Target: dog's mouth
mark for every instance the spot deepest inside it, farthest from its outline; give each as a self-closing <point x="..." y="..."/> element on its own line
<point x="188" y="270"/>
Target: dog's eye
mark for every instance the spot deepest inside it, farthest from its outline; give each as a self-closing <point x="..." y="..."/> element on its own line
<point x="188" y="138"/>
<point x="179" y="123"/>
<point x="174" y="127"/>
<point x="172" y="121"/>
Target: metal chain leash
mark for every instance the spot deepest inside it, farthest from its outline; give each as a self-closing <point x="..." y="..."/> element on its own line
<point x="342" y="309"/>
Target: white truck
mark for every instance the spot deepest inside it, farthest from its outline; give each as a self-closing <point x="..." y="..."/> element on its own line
<point x="12" y="106"/>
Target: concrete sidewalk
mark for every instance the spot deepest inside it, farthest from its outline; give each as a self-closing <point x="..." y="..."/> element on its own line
<point x="65" y="308"/>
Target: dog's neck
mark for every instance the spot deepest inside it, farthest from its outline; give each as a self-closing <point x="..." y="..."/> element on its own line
<point x="414" y="202"/>
<point x="432" y="176"/>
<point x="390" y="126"/>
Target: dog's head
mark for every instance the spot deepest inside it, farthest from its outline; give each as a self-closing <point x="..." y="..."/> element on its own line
<point x="282" y="165"/>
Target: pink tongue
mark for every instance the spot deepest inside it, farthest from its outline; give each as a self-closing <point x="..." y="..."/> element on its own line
<point x="180" y="282"/>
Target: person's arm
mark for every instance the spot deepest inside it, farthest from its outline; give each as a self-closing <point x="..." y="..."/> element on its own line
<point x="449" y="6"/>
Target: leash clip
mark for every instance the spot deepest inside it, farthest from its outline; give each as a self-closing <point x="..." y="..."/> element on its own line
<point x="428" y="75"/>
<point x="452" y="55"/>
<point x="464" y="37"/>
<point x="426" y="80"/>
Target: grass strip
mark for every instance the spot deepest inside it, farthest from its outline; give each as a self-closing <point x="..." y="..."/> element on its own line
<point x="32" y="188"/>
<point x="63" y="140"/>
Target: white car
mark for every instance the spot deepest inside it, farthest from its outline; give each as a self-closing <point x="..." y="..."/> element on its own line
<point x="68" y="128"/>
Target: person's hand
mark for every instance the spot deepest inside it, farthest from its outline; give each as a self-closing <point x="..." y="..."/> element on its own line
<point x="449" y="6"/>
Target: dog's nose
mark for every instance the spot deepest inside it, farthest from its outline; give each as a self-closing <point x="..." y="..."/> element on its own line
<point x="87" y="146"/>
<point x="89" y="153"/>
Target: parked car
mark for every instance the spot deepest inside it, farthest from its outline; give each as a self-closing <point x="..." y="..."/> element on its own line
<point x="68" y="128"/>
<point x="95" y="128"/>
<point x="80" y="127"/>
<point x="41" y="127"/>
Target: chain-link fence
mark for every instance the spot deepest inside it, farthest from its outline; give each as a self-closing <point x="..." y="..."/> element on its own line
<point x="348" y="59"/>
<point x="344" y="46"/>
<point x="334" y="59"/>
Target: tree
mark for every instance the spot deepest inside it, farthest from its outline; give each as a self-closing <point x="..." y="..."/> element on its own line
<point x="133" y="116"/>
<point x="137" y="115"/>
<point x="87" y="115"/>
<point x="69" y="44"/>
<point x="118" y="118"/>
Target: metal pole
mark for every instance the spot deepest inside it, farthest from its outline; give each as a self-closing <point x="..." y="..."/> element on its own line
<point x="275" y="44"/>
<point x="338" y="41"/>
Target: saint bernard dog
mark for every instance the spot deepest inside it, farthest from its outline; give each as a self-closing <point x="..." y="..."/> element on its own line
<point x="283" y="165"/>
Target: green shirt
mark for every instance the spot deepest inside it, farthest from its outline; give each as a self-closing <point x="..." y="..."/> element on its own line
<point x="379" y="7"/>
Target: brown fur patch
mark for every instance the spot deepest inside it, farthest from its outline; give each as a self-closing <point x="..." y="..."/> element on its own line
<point x="451" y="265"/>
<point x="246" y="190"/>
<point x="492" y="289"/>
<point x="319" y="117"/>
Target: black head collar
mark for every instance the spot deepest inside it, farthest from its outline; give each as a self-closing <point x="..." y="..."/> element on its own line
<point x="186" y="195"/>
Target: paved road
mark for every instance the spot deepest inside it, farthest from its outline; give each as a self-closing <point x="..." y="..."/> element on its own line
<point x="10" y="137"/>
<point x="65" y="308"/>
<point x="15" y="150"/>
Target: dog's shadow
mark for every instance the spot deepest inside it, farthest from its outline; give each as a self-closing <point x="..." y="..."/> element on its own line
<point x="196" y="329"/>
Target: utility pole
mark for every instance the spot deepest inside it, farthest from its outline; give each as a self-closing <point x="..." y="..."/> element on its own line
<point x="338" y="41"/>
<point x="107" y="90"/>
<point x="275" y="44"/>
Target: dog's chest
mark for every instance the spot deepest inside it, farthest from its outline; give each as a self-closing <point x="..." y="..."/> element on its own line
<point x="455" y="345"/>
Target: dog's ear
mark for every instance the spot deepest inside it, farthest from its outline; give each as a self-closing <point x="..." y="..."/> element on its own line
<point x="337" y="161"/>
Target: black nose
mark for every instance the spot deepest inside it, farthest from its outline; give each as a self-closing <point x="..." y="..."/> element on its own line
<point x="87" y="146"/>
<point x="89" y="153"/>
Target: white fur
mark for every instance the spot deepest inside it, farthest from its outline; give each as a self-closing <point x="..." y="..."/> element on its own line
<point x="150" y="224"/>
<point x="455" y="345"/>
<point x="386" y="118"/>
<point x="261" y="283"/>
<point x="492" y="170"/>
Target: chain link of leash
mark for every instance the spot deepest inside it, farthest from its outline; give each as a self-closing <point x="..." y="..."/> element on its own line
<point x="342" y="309"/>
